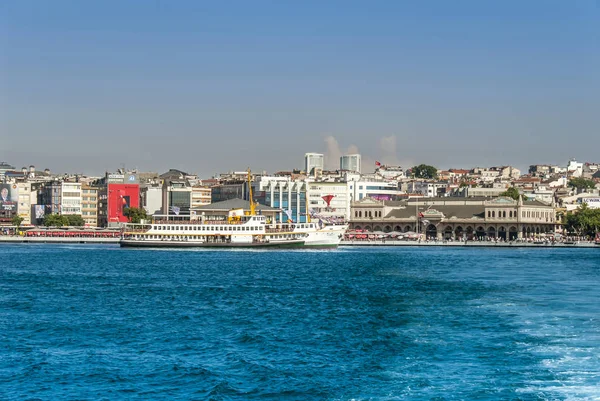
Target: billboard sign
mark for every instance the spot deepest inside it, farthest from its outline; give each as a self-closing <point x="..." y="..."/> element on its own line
<point x="39" y="212"/>
<point x="9" y="197"/>
<point x="121" y="197"/>
<point x="115" y="178"/>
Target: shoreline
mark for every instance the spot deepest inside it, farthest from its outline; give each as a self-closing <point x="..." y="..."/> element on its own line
<point x="8" y="239"/>
<point x="16" y="239"/>
<point x="475" y="244"/>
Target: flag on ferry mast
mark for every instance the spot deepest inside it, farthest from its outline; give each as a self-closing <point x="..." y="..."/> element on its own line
<point x="377" y="164"/>
<point x="289" y="215"/>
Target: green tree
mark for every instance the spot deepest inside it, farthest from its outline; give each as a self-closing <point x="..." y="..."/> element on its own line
<point x="424" y="171"/>
<point x="511" y="192"/>
<point x="583" y="221"/>
<point x="17" y="220"/>
<point x="581" y="183"/>
<point x="75" y="220"/>
<point x="135" y="214"/>
<point x="55" y="220"/>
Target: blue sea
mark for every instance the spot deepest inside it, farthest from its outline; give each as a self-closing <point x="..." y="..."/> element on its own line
<point x="96" y="322"/>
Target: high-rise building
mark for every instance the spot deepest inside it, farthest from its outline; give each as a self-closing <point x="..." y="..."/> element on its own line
<point x="313" y="162"/>
<point x="350" y="163"/>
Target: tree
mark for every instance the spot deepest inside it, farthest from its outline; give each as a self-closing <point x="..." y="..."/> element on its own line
<point x="424" y="171"/>
<point x="17" y="220"/>
<point x="581" y="183"/>
<point x="135" y="214"/>
<point x="583" y="221"/>
<point x="511" y="192"/>
<point x="55" y="220"/>
<point x="75" y="220"/>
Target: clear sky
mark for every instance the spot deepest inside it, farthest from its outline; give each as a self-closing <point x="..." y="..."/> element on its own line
<point x="210" y="86"/>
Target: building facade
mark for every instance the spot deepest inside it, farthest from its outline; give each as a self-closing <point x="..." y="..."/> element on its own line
<point x="313" y="163"/>
<point x="350" y="163"/>
<point x="455" y="218"/>
<point x="89" y="205"/>
<point x="70" y="203"/>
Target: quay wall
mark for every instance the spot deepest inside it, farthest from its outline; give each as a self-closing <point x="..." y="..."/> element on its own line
<point x="56" y="240"/>
<point x="475" y="244"/>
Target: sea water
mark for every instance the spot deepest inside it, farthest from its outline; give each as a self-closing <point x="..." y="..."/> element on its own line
<point x="98" y="322"/>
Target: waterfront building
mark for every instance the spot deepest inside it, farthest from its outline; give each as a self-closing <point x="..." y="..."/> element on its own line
<point x="377" y="189"/>
<point x="314" y="163"/>
<point x="232" y="189"/>
<point x="70" y="203"/>
<point x="177" y="197"/>
<point x="117" y="192"/>
<point x="330" y="199"/>
<point x="24" y="205"/>
<point x="49" y="196"/>
<point x="201" y="195"/>
<point x="89" y="205"/>
<point x="151" y="198"/>
<point x="350" y="163"/>
<point x="456" y="218"/>
<point x="284" y="194"/>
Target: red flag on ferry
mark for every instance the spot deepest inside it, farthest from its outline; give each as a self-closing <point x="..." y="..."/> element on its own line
<point x="421" y="214"/>
<point x="377" y="164"/>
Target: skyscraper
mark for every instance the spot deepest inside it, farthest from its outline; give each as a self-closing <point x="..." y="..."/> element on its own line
<point x="350" y="162"/>
<point x="312" y="162"/>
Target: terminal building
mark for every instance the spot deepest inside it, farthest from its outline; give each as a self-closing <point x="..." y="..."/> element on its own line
<point x="456" y="218"/>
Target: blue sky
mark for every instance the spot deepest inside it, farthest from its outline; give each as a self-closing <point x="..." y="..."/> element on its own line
<point x="217" y="86"/>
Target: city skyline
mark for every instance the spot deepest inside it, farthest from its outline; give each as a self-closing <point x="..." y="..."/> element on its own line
<point x="205" y="87"/>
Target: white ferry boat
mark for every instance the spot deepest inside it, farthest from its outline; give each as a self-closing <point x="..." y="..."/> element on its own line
<point x="237" y="229"/>
<point x="247" y="231"/>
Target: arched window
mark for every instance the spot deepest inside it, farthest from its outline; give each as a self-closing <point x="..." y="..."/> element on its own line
<point x="504" y="214"/>
<point x="493" y="213"/>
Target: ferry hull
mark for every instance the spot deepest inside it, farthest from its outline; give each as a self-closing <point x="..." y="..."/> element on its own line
<point x="191" y="244"/>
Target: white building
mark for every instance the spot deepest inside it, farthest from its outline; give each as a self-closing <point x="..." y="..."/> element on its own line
<point x="200" y="196"/>
<point x="574" y="168"/>
<point x="318" y="192"/>
<point x="391" y="172"/>
<point x="426" y="188"/>
<point x="313" y="162"/>
<point x="24" y="203"/>
<point x="541" y="193"/>
<point x="71" y="198"/>
<point x="380" y="190"/>
<point x="151" y="199"/>
<point x="350" y="163"/>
